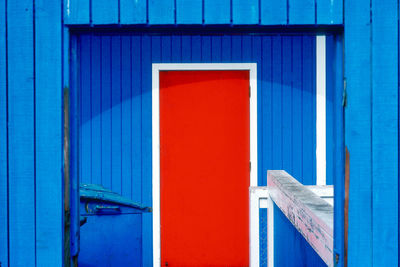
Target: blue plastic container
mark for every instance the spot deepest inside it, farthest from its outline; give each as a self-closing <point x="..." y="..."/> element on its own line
<point x="111" y="227"/>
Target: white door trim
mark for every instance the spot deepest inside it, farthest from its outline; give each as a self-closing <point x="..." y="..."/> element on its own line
<point x="252" y="68"/>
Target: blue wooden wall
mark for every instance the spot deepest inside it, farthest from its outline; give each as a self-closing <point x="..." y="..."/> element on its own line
<point x="34" y="68"/>
<point x="115" y="104"/>
<point x="204" y="12"/>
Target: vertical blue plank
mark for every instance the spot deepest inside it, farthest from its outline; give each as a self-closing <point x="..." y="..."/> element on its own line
<point x="96" y="109"/>
<point x="22" y="247"/>
<point x="86" y="103"/>
<point x="147" y="238"/>
<point x="116" y="125"/>
<point x="104" y="12"/>
<point x="245" y="11"/>
<point x="196" y="48"/>
<point x="133" y="12"/>
<point x="247" y="50"/>
<point x="330" y="108"/>
<point x="3" y="139"/>
<point x="48" y="90"/>
<point x="358" y="127"/>
<point x="206" y="49"/>
<point x="287" y="103"/>
<point x="76" y="12"/>
<point x="226" y="48"/>
<point x="385" y="60"/>
<point x="216" y="42"/>
<point x="189" y="11"/>
<point x="273" y="12"/>
<point x="276" y="123"/>
<point x="297" y="111"/>
<point x="301" y="12"/>
<point x="126" y="115"/>
<point x="237" y="48"/>
<point x="308" y="105"/>
<point x="166" y="49"/>
<point x="186" y="48"/>
<point x="176" y="44"/>
<point x="266" y="102"/>
<point x="338" y="176"/>
<point x="161" y="12"/>
<point x="329" y="12"/>
<point x="136" y="119"/>
<point x="313" y="81"/>
<point x="106" y="107"/>
<point x="217" y="11"/>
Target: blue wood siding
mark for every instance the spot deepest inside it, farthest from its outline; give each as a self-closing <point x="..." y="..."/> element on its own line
<point x="116" y="133"/>
<point x="208" y="12"/>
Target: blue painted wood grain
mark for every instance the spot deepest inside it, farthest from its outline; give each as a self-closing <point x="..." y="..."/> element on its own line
<point x="245" y="12"/>
<point x="358" y="127"/>
<point x="301" y="12"/>
<point x="85" y="109"/>
<point x="385" y="82"/>
<point x="77" y="12"/>
<point x="236" y="48"/>
<point x="149" y="55"/>
<point x="206" y="49"/>
<point x="116" y="123"/>
<point x="126" y="116"/>
<point x="287" y="103"/>
<point x="189" y="11"/>
<point x="48" y="126"/>
<point x="136" y="124"/>
<point x="330" y="107"/>
<point x="308" y="98"/>
<point x="217" y="11"/>
<point x="21" y="113"/>
<point x="216" y="47"/>
<point x="273" y="12"/>
<point x="277" y="109"/>
<point x="133" y="12"/>
<point x="104" y="12"/>
<point x="106" y="107"/>
<point x="329" y="12"/>
<point x="3" y="139"/>
<point x="161" y="12"/>
<point x="96" y="86"/>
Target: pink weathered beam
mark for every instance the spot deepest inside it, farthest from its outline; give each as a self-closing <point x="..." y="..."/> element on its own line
<point x="312" y="216"/>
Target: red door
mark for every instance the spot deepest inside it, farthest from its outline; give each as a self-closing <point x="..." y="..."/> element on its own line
<point x="204" y="175"/>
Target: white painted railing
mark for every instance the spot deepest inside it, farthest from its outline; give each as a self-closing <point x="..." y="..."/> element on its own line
<point x="309" y="209"/>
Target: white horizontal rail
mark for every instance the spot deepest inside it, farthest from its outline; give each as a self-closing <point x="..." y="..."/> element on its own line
<point x="308" y="212"/>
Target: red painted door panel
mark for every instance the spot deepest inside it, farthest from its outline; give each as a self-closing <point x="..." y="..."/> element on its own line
<point x="205" y="153"/>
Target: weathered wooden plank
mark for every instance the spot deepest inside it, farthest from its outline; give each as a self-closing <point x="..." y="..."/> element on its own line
<point x="245" y="12"/>
<point x="104" y="12"/>
<point x="77" y="12"/>
<point x="189" y="11"/>
<point x="21" y="133"/>
<point x="301" y="12"/>
<point x="116" y="146"/>
<point x="48" y="118"/>
<point x="329" y="12"/>
<point x="385" y="62"/>
<point x="312" y="216"/>
<point x="133" y="12"/>
<point x="161" y="12"/>
<point x="217" y="11"/>
<point x="358" y="127"/>
<point x="273" y="12"/>
<point x="3" y="139"/>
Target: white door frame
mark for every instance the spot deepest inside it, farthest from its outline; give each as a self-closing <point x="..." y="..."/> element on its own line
<point x="252" y="68"/>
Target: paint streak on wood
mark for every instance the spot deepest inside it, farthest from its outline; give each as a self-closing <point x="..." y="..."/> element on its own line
<point x="311" y="215"/>
<point x="67" y="223"/>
